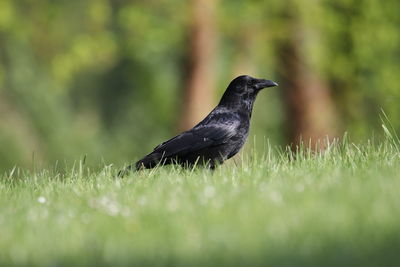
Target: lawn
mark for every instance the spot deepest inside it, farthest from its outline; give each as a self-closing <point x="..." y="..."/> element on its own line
<point x="340" y="207"/>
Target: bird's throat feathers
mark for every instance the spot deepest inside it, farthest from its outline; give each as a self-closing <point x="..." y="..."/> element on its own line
<point x="238" y="103"/>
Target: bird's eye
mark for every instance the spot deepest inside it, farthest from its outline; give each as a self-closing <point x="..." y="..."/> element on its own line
<point x="250" y="82"/>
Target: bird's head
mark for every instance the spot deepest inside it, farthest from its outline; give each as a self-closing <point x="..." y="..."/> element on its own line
<point x="245" y="88"/>
<point x="247" y="85"/>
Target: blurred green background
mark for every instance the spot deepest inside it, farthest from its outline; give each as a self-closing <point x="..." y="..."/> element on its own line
<point x="111" y="79"/>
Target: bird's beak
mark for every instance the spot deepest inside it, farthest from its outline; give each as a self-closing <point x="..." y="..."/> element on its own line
<point x="265" y="83"/>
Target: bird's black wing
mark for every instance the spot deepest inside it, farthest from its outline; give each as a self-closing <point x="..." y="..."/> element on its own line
<point x="196" y="139"/>
<point x="200" y="137"/>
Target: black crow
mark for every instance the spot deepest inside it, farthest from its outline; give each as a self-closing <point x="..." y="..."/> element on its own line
<point x="218" y="137"/>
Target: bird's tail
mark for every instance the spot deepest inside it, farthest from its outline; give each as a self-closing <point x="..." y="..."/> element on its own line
<point x="148" y="162"/>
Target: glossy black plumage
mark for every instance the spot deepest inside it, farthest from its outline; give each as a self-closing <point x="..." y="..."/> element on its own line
<point x="219" y="136"/>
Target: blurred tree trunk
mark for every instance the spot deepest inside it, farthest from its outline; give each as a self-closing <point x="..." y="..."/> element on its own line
<point x="14" y="126"/>
<point x="243" y="64"/>
<point x="199" y="84"/>
<point x="311" y="114"/>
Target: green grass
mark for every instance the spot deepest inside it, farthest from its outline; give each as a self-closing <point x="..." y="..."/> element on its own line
<point x="340" y="207"/>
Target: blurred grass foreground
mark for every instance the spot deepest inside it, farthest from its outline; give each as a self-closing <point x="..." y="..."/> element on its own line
<point x="337" y="208"/>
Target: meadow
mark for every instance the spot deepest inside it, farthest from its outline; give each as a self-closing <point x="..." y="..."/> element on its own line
<point x="340" y="207"/>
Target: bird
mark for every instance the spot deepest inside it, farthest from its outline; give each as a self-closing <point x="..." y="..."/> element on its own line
<point x="218" y="137"/>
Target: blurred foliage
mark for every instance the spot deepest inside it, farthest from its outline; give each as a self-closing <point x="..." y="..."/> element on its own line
<point x="104" y="78"/>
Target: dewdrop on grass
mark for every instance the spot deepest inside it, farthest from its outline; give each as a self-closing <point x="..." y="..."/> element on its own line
<point x="41" y="199"/>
